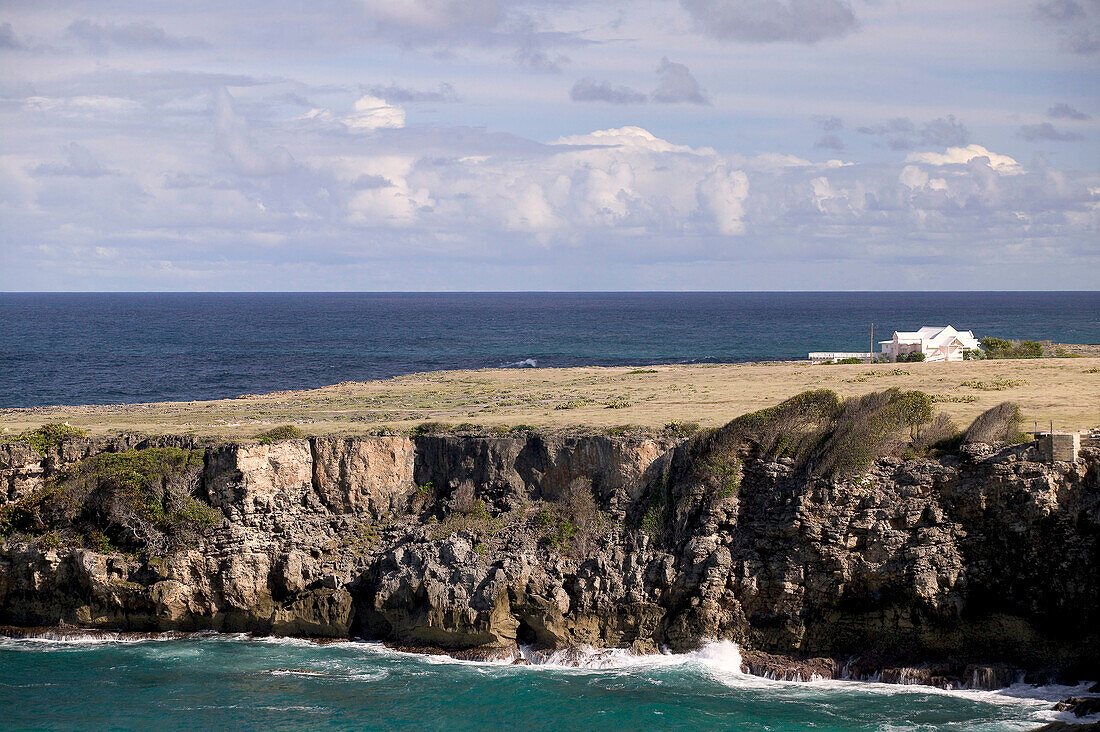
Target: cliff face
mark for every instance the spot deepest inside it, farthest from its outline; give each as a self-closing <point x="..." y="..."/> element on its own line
<point x="467" y="542"/>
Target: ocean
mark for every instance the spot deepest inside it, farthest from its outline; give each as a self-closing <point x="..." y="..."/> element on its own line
<point x="233" y="682"/>
<point x="140" y="347"/>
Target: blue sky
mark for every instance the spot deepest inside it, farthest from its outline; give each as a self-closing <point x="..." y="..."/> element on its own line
<point x="550" y="145"/>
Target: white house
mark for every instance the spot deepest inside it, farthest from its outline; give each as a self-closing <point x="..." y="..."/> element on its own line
<point x="937" y="343"/>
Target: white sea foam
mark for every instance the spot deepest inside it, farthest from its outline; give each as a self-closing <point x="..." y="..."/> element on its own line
<point x="527" y="363"/>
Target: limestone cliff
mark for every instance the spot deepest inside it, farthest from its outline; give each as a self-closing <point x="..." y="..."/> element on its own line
<point x="964" y="568"/>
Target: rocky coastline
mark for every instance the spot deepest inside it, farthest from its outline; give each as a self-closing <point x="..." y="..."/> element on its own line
<point x="973" y="569"/>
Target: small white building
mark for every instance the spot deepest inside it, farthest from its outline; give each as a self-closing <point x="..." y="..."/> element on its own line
<point x="937" y="343"/>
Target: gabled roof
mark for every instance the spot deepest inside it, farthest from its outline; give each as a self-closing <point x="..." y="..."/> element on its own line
<point x="936" y="336"/>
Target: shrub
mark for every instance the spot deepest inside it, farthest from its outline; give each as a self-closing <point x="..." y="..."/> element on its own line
<point x="973" y="354"/>
<point x="617" y="403"/>
<point x="1029" y="349"/>
<point x="49" y="436"/>
<point x="574" y="404"/>
<point x="139" y="499"/>
<point x="867" y="428"/>
<point x="785" y="427"/>
<point x="465" y="500"/>
<point x="997" y="425"/>
<point x="914" y="408"/>
<point x="97" y="541"/>
<point x="430" y="428"/>
<point x="283" y="432"/>
<point x="939" y="434"/>
<point x="573" y="522"/>
<point x="682" y="429"/>
<point x="642" y="371"/>
<point x="914" y="357"/>
<point x="998" y="384"/>
<point x="1001" y="348"/>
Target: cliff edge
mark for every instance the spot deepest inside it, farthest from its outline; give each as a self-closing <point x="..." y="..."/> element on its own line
<point x="966" y="568"/>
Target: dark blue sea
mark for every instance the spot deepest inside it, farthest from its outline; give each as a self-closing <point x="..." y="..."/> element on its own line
<point x="138" y="347"/>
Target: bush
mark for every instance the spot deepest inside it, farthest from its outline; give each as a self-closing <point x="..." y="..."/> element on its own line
<point x="464" y="500"/>
<point x="939" y="434"/>
<point x="867" y="428"/>
<point x="998" y="384"/>
<point x="784" y="428"/>
<point x="283" y="432"/>
<point x="430" y="428"/>
<point x="914" y="357"/>
<point x="139" y="499"/>
<point x="617" y="403"/>
<point x="49" y="436"/>
<point x="682" y="429"/>
<point x="914" y="408"/>
<point x="998" y="425"/>
<point x="973" y="354"/>
<point x="573" y="522"/>
<point x="1001" y="348"/>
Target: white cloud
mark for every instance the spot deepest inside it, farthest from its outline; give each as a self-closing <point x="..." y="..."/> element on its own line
<point x="963" y="155"/>
<point x="372" y="113"/>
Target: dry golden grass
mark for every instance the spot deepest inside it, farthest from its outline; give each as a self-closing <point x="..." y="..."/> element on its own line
<point x="1066" y="391"/>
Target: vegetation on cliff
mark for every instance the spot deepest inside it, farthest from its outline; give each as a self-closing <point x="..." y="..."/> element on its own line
<point x="49" y="436"/>
<point x="135" y="500"/>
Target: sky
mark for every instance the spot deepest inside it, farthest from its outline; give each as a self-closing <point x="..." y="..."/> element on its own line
<point x="458" y="145"/>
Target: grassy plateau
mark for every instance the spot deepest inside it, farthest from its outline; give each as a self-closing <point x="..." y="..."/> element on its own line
<point x="1063" y="390"/>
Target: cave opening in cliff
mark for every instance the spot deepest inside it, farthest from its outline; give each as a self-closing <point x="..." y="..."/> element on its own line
<point x="525" y="634"/>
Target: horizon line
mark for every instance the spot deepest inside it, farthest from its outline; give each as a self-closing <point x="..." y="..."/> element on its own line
<point x="539" y="292"/>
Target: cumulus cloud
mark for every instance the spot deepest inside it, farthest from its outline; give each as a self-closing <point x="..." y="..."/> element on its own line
<point x="677" y="84"/>
<point x="944" y="132"/>
<point x="829" y="142"/>
<point x="1060" y="11"/>
<point x="420" y="18"/>
<point x="100" y="36"/>
<point x="1064" y="111"/>
<point x="1078" y="29"/>
<point x="1046" y="131"/>
<point x="7" y="37"/>
<point x="964" y="155"/>
<point x="368" y="113"/>
<point x="591" y="90"/>
<point x="79" y="162"/>
<point x="371" y="113"/>
<point x="901" y="133"/>
<point x="394" y="93"/>
<point x="233" y="137"/>
<point x="83" y="107"/>
<point x="763" y="21"/>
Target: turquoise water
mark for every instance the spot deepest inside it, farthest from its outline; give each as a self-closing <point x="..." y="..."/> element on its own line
<point x="232" y="682"/>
